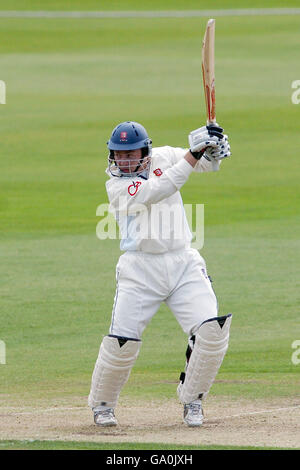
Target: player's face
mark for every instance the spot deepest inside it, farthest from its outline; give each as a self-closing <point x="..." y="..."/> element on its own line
<point x="128" y="160"/>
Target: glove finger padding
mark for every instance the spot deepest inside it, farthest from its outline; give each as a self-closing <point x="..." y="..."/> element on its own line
<point x="219" y="151"/>
<point x="214" y="129"/>
<point x="217" y="155"/>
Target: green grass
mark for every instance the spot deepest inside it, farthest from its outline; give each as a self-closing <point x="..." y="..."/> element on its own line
<point x="78" y="5"/>
<point x="75" y="445"/>
<point x="68" y="84"/>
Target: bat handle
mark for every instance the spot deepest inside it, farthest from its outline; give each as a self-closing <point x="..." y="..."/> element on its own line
<point x="214" y="163"/>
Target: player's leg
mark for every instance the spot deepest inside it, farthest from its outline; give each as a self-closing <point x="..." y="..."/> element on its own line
<point x="204" y="359"/>
<point x="116" y="358"/>
<point x="136" y="301"/>
<point x="195" y="306"/>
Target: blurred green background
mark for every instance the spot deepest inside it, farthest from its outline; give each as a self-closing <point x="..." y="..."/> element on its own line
<point x="69" y="82"/>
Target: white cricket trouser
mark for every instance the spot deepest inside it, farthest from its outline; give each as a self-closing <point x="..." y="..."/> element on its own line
<point x="145" y="280"/>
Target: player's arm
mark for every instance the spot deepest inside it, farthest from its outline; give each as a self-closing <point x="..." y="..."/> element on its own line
<point x="130" y="196"/>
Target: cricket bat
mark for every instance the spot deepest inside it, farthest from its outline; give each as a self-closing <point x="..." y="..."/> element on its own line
<point x="208" y="72"/>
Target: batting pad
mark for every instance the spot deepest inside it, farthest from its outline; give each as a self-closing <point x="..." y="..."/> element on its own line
<point x="211" y="343"/>
<point x="112" y="369"/>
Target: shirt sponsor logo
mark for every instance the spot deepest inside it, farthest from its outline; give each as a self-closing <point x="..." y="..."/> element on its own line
<point x="158" y="172"/>
<point x="132" y="189"/>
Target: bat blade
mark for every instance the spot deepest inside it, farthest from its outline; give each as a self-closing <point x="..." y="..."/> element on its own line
<point x="208" y="71"/>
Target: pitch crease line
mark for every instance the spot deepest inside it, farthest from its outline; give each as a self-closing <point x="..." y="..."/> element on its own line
<point x="81" y="408"/>
<point x="274" y="410"/>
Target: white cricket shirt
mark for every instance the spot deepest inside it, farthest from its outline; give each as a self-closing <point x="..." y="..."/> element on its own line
<point x="150" y="212"/>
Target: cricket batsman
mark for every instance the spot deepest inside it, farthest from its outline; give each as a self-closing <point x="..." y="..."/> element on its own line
<point x="158" y="265"/>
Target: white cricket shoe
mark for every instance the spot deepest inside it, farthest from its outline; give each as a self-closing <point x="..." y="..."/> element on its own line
<point x="105" y="418"/>
<point x="193" y="414"/>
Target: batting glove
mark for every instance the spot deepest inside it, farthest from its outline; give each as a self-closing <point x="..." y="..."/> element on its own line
<point x="221" y="150"/>
<point x="200" y="139"/>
